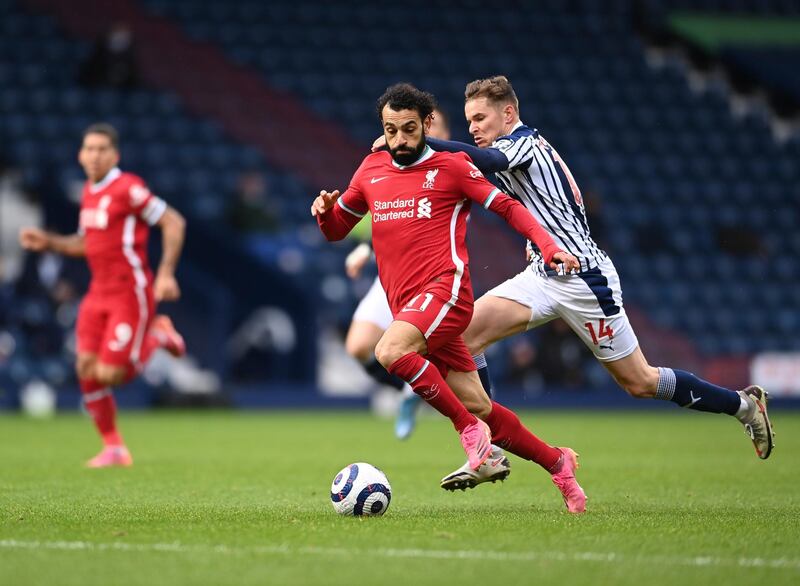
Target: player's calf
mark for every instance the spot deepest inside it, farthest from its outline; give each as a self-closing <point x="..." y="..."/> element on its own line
<point x="381" y="375"/>
<point x="639" y="384"/>
<point x="638" y="390"/>
<point x="686" y="390"/>
<point x="100" y="404"/>
<point x="427" y="382"/>
<point x="467" y="387"/>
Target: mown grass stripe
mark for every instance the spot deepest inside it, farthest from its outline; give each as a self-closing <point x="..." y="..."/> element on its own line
<point x="518" y="556"/>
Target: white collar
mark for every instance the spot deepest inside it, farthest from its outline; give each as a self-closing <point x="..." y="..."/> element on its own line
<point x="105" y="181"/>
<point x="517" y="125"/>
<point x="426" y="154"/>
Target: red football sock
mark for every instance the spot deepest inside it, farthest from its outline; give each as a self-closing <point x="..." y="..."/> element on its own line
<point x="426" y="381"/>
<point x="509" y="433"/>
<point x="149" y="344"/>
<point x="99" y="401"/>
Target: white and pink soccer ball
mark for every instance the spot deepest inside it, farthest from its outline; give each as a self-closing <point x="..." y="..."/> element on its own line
<point x="360" y="489"/>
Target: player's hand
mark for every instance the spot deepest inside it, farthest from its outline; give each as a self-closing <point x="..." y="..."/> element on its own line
<point x="379" y="144"/>
<point x="324" y="202"/>
<point x="165" y="288"/>
<point x="355" y="261"/>
<point x="569" y="262"/>
<point x="34" y="239"/>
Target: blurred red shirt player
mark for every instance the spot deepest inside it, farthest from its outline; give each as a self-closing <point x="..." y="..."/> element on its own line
<point x="117" y="328"/>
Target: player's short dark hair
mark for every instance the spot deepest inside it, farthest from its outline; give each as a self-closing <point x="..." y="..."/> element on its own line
<point x="404" y="96"/>
<point x="497" y="90"/>
<point x="106" y="130"/>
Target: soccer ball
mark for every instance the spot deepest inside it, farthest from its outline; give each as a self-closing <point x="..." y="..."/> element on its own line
<point x="38" y="399"/>
<point x="360" y="489"/>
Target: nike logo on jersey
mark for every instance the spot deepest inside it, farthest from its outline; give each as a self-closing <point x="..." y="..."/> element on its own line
<point x="376" y="179"/>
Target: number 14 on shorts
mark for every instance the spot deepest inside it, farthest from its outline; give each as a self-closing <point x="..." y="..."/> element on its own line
<point x="599" y="331"/>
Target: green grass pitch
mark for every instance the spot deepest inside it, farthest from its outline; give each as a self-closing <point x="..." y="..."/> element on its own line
<point x="243" y="498"/>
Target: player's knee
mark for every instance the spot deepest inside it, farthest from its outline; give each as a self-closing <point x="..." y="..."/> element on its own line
<point x="476" y="342"/>
<point x="359" y="350"/>
<point x="473" y="345"/>
<point x="109" y="375"/>
<point x="389" y="350"/>
<point x="84" y="367"/>
<point x="387" y="354"/>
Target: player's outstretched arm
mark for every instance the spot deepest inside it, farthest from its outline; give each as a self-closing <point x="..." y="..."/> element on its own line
<point x="488" y="160"/>
<point x="335" y="221"/>
<point x="173" y="233"/>
<point x="38" y="240"/>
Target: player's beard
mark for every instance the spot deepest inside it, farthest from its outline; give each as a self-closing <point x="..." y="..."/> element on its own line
<point x="408" y="155"/>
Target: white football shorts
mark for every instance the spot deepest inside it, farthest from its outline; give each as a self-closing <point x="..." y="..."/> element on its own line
<point x="374" y="307"/>
<point x="590" y="302"/>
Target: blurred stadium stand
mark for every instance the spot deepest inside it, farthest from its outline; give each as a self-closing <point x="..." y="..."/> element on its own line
<point x="699" y="206"/>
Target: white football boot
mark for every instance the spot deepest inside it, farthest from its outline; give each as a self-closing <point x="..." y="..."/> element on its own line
<point x="496" y="467"/>
<point x="756" y="421"/>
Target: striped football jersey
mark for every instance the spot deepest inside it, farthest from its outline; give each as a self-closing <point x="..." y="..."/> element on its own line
<point x="539" y="179"/>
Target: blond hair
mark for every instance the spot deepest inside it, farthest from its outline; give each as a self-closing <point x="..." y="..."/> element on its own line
<point x="496" y="90"/>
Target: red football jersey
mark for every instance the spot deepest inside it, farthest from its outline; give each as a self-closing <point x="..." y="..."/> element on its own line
<point x="115" y="220"/>
<point x="419" y="220"/>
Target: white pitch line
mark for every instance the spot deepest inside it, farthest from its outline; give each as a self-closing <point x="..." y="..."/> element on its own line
<point x="441" y="554"/>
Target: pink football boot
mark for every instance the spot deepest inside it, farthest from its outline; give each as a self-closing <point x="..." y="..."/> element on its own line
<point x="111" y="456"/>
<point x="168" y="337"/>
<point x="476" y="439"/>
<point x="564" y="479"/>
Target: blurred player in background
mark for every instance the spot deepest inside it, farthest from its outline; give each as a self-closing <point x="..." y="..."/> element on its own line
<point x="373" y="316"/>
<point x="590" y="301"/>
<point x="117" y="330"/>
<point x="420" y="201"/>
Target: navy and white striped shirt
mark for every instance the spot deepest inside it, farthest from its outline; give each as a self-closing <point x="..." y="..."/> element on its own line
<point x="534" y="174"/>
<point x="542" y="182"/>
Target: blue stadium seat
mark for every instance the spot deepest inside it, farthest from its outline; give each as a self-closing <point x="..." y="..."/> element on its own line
<point x="653" y="151"/>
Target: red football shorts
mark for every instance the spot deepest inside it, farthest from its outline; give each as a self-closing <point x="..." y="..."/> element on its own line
<point x="442" y="325"/>
<point x="114" y="326"/>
